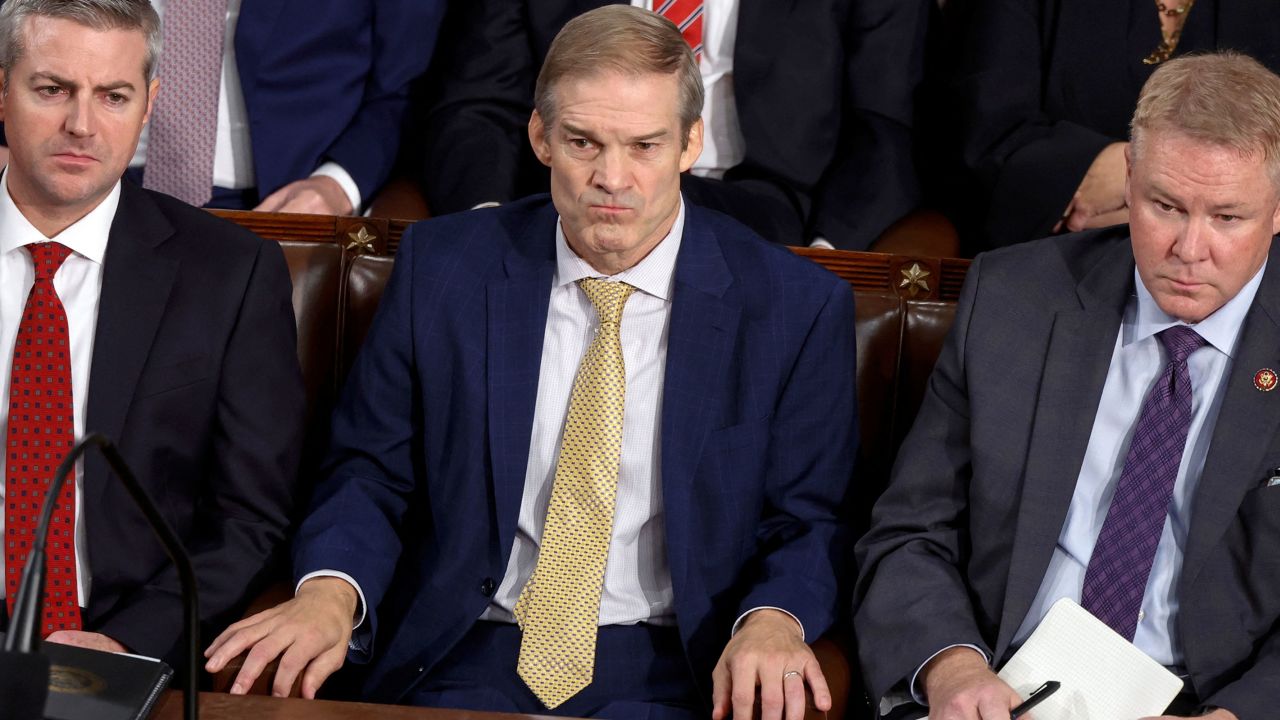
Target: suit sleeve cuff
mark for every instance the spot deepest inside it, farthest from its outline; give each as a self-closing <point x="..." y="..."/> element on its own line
<point x="343" y="178"/>
<point x="916" y="693"/>
<point x="358" y="620"/>
<point x="737" y="624"/>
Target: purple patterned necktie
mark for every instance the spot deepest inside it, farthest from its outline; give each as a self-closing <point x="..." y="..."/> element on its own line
<point x="184" y="123"/>
<point x="1117" y="576"/>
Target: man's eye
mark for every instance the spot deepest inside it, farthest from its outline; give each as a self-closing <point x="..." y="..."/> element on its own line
<point x="580" y="143"/>
<point x="1228" y="218"/>
<point x="116" y="98"/>
<point x="646" y="146"/>
<point x="1165" y="207"/>
<point x="49" y="90"/>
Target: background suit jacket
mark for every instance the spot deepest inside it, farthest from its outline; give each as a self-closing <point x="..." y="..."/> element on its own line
<point x="961" y="538"/>
<point x="824" y="91"/>
<point x="329" y="80"/>
<point x="1044" y="85"/>
<point x="195" y="377"/>
<point x="431" y="437"/>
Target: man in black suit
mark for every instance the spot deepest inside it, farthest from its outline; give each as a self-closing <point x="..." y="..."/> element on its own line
<point x="809" y="112"/>
<point x="179" y="328"/>
<point x="1101" y="427"/>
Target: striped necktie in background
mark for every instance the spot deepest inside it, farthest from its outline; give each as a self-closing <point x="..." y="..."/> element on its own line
<point x="687" y="15"/>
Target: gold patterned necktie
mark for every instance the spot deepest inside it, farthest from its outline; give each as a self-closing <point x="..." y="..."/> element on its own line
<point x="559" y="608"/>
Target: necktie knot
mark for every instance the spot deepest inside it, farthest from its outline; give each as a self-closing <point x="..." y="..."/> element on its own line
<point x="608" y="297"/>
<point x="1180" y="341"/>
<point x="48" y="257"/>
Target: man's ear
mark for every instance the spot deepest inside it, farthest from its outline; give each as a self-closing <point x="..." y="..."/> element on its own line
<point x="4" y="92"/>
<point x="538" y="138"/>
<point x="152" y="91"/>
<point x="1128" y="174"/>
<point x="693" y="146"/>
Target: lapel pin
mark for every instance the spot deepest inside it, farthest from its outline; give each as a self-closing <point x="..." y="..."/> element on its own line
<point x="1274" y="479"/>
<point x="1265" y="380"/>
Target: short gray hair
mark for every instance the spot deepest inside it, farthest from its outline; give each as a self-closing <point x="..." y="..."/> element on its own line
<point x="622" y="39"/>
<point x="97" y="14"/>
<point x="1224" y="98"/>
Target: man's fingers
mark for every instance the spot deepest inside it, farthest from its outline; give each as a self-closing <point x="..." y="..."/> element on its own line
<point x="772" y="696"/>
<point x="720" y="687"/>
<point x="1112" y="217"/>
<point x="231" y="644"/>
<point x="292" y="663"/>
<point x="234" y="629"/>
<point x="272" y="202"/>
<point x="793" y="692"/>
<point x="818" y="685"/>
<point x="742" y="690"/>
<point x="320" y="669"/>
<point x="268" y="649"/>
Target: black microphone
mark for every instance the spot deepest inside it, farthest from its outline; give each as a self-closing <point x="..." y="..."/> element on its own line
<point x="24" y="626"/>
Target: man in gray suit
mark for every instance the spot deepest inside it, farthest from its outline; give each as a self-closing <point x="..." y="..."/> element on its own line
<point x="1101" y="426"/>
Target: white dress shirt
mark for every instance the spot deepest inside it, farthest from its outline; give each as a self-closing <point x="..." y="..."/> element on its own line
<point x="78" y="284"/>
<point x="637" y="580"/>
<point x="233" y="146"/>
<point x="722" y="143"/>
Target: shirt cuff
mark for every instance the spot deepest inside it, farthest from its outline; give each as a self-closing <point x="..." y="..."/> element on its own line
<point x="338" y="173"/>
<point x="491" y="203"/>
<point x="737" y="624"/>
<point x="915" y="689"/>
<point x="821" y="242"/>
<point x="360" y="608"/>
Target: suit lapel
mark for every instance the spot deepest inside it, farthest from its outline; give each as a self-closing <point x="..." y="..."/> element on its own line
<point x="1247" y="423"/>
<point x="1077" y="359"/>
<point x="136" y="281"/>
<point x="699" y="340"/>
<point x="517" y="318"/>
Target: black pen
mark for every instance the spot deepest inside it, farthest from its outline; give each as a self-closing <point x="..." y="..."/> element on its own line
<point x="1035" y="699"/>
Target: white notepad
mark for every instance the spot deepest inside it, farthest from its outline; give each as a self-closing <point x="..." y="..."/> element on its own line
<point x="1103" y="676"/>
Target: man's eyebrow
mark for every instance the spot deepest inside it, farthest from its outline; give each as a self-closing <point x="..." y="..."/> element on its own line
<point x="64" y="82"/>
<point x="569" y="128"/>
<point x="117" y="85"/>
<point x="655" y="135"/>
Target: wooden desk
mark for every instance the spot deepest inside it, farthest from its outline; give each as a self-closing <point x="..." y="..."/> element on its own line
<point x="220" y="706"/>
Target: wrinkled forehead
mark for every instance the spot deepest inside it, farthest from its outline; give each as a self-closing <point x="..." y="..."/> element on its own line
<point x="76" y="51"/>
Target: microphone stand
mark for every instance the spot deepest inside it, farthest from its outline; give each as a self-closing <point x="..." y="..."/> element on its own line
<point x="24" y="626"/>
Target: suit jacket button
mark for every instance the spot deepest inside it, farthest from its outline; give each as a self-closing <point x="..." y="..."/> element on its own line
<point x="488" y="587"/>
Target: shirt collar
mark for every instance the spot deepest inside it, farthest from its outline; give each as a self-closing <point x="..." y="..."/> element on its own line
<point x="654" y="275"/>
<point x="1221" y="329"/>
<point x="86" y="237"/>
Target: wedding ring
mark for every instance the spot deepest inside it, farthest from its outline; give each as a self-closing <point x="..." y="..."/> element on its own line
<point x="789" y="673"/>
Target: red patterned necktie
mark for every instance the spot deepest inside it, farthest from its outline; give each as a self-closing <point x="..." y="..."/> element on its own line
<point x="41" y="431"/>
<point x="184" y="124"/>
<point x="687" y="15"/>
<point x="1116" y="578"/>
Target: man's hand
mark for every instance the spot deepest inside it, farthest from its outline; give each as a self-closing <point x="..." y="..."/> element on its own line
<point x="1099" y="201"/>
<point x="767" y="652"/>
<point x="960" y="686"/>
<point x="311" y="630"/>
<point x="1219" y="714"/>
<point x="91" y="640"/>
<point x="320" y="195"/>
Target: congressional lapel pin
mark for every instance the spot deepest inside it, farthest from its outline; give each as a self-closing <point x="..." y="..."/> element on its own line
<point x="1274" y="479"/>
<point x="1265" y="380"/>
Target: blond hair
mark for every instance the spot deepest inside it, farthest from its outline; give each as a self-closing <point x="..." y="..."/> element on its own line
<point x="1224" y="98"/>
<point x="621" y="39"/>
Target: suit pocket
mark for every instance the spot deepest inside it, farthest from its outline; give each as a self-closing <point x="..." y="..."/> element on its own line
<point x="165" y="376"/>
